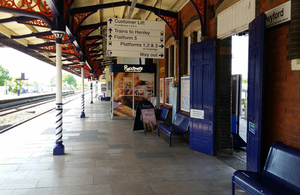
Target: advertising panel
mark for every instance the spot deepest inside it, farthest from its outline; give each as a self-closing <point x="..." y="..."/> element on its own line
<point x="129" y="89"/>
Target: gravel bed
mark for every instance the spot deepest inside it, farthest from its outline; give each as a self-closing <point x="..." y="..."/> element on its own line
<point x="17" y="117"/>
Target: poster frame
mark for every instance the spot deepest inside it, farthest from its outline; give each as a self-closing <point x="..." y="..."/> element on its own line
<point x="167" y="88"/>
<point x="181" y="95"/>
<point x="161" y="90"/>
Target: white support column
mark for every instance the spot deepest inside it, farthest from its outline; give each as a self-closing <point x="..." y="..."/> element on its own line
<point x="82" y="90"/>
<point x="96" y="95"/>
<point x="59" y="148"/>
<point x="91" y="90"/>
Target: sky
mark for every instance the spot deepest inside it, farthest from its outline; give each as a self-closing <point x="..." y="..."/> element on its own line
<point x="35" y="70"/>
<point x="240" y="55"/>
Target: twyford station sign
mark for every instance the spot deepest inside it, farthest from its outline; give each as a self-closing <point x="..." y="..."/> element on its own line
<point x="279" y="14"/>
<point x="135" y="38"/>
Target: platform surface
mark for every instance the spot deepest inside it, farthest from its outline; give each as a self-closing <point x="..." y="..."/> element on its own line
<point x="103" y="156"/>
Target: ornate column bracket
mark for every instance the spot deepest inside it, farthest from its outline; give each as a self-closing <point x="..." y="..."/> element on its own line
<point x="37" y="22"/>
<point x="88" y="43"/>
<point x="171" y="22"/>
<point x="200" y="7"/>
<point x="79" y="18"/>
<point x="67" y="5"/>
<point x="83" y="34"/>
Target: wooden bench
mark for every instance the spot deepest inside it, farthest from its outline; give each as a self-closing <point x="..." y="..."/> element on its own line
<point x="179" y="125"/>
<point x="281" y="173"/>
<point x="163" y="113"/>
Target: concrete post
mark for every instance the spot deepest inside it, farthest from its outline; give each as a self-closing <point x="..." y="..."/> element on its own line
<point x="59" y="148"/>
<point x="82" y="90"/>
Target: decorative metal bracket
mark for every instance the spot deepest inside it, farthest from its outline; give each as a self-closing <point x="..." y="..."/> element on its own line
<point x="83" y="34"/>
<point x="171" y="22"/>
<point x="200" y="7"/>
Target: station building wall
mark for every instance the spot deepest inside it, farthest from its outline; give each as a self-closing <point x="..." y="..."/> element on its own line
<point x="281" y="111"/>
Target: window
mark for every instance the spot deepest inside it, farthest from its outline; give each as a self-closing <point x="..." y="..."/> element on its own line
<point x="184" y="66"/>
<point x="175" y="60"/>
<point x="167" y="62"/>
<point x="199" y="36"/>
<point x="171" y="61"/>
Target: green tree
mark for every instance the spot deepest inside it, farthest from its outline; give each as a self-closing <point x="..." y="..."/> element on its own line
<point x="3" y="77"/>
<point x="15" y="89"/>
<point x="70" y="79"/>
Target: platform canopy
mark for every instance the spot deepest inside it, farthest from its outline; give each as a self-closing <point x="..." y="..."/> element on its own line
<point x="27" y="25"/>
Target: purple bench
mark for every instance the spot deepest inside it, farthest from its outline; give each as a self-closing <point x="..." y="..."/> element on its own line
<point x="179" y="125"/>
<point x="163" y="113"/>
<point x="280" y="176"/>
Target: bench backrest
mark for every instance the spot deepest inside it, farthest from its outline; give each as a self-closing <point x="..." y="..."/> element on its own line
<point x="182" y="120"/>
<point x="164" y="111"/>
<point x="284" y="162"/>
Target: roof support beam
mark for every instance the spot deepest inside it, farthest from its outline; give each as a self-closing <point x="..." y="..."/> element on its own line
<point x="85" y="27"/>
<point x="94" y="8"/>
<point x="32" y="35"/>
<point x="16" y="19"/>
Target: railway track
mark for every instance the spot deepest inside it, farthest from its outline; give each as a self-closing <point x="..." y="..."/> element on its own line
<point x="16" y="115"/>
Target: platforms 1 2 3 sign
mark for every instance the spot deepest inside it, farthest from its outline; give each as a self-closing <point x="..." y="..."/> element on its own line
<point x="135" y="38"/>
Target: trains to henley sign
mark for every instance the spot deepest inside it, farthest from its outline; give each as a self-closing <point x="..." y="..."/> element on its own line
<point x="135" y="38"/>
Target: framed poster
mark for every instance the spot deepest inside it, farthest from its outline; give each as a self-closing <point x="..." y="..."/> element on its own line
<point x="127" y="85"/>
<point x="169" y="91"/>
<point x="185" y="94"/>
<point x="161" y="90"/>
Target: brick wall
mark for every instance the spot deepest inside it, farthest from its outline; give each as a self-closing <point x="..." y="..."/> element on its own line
<point x="281" y="84"/>
<point x="223" y="98"/>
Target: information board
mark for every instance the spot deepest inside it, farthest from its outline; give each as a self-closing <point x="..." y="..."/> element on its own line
<point x="135" y="38"/>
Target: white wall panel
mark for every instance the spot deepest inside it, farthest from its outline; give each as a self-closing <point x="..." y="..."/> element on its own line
<point x="235" y="19"/>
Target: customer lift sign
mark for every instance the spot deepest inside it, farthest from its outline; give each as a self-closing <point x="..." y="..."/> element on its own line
<point x="135" y="38"/>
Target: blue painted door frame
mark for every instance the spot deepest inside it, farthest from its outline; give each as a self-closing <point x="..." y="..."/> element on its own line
<point x="202" y="97"/>
<point x="255" y="92"/>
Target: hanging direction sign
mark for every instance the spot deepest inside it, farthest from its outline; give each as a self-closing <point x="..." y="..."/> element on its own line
<point x="135" y="38"/>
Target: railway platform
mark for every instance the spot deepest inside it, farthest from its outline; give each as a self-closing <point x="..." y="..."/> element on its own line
<point x="103" y="156"/>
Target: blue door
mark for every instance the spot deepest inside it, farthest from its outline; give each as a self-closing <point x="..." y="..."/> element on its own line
<point x="202" y="96"/>
<point x="255" y="95"/>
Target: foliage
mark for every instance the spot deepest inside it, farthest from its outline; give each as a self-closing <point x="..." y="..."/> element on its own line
<point x="70" y="80"/>
<point x="245" y="81"/>
<point x="3" y="73"/>
<point x="242" y="101"/>
<point x="15" y="89"/>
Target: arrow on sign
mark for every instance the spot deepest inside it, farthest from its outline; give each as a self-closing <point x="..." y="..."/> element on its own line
<point x="110" y="20"/>
<point x="109" y="36"/>
<point x="161" y="46"/>
<point x="109" y="52"/>
<point x="110" y="43"/>
<point x="161" y="55"/>
<point x="161" y="39"/>
<point x="161" y="33"/>
<point x="109" y="30"/>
